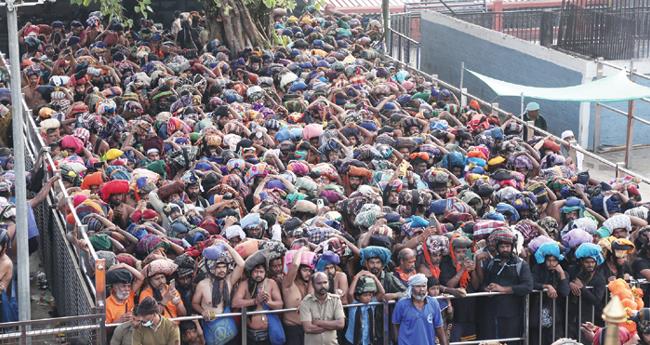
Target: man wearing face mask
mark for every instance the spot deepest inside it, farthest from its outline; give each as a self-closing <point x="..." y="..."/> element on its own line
<point x="154" y="328"/>
<point x="505" y="273"/>
<point x="124" y="280"/>
<point x="417" y="316"/>
<point x="321" y="313"/>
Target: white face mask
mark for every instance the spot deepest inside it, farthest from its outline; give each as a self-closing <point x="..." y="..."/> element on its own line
<point x="148" y="324"/>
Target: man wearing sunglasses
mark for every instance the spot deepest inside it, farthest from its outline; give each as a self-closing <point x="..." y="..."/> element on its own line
<point x="154" y="328"/>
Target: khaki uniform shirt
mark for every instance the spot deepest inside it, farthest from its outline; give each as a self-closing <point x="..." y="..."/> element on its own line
<point x="331" y="309"/>
<point x="166" y="333"/>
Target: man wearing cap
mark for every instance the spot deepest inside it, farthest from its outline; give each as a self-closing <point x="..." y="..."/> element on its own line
<point x="155" y="329"/>
<point x="257" y="293"/>
<point x="184" y="279"/>
<point x="124" y="281"/>
<point x="532" y="114"/>
<point x="568" y="136"/>
<point x="417" y="316"/>
<point x="321" y="313"/>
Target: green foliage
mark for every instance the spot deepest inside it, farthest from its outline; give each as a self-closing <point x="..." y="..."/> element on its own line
<point x="113" y="9"/>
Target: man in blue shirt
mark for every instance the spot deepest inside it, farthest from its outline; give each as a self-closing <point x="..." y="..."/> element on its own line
<point x="417" y="316"/>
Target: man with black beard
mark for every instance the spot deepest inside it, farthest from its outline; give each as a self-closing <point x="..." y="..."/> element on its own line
<point x="193" y="190"/>
<point x="505" y="273"/>
<point x="321" y="313"/>
<point x="115" y="192"/>
<point x="257" y="293"/>
<point x="375" y="259"/>
<point x="417" y="316"/>
<point x="185" y="279"/>
<point x="587" y="283"/>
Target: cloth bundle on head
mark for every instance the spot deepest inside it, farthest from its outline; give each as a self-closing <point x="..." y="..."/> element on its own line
<point x="365" y="284"/>
<point x="119" y="276"/>
<point x="259" y="258"/>
<point x="159" y="266"/>
<point x="416" y="280"/>
<point x="216" y="254"/>
<point x="307" y="259"/>
<point x="586" y="223"/>
<point x="252" y="220"/>
<point x="546" y="249"/>
<point x="537" y="242"/>
<point x="234" y="231"/>
<point x="576" y="237"/>
<point x="114" y="187"/>
<point x="327" y="258"/>
<point x="590" y="250"/>
<point x="176" y="187"/>
<point x="368" y="215"/>
<point x="618" y="221"/>
<point x="375" y="252"/>
<point x="437" y="245"/>
<point x="186" y="265"/>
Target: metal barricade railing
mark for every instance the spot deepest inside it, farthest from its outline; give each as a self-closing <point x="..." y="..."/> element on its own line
<point x="385" y="312"/>
<point x="65" y="265"/>
<point x="494" y="107"/>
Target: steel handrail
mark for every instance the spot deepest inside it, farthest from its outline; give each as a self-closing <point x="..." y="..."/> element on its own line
<point x="524" y="123"/>
<point x="403" y="36"/>
<point x="31" y="125"/>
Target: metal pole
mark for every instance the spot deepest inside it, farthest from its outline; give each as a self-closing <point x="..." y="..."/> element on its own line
<point x="462" y="78"/>
<point x="386" y="323"/>
<point x="527" y="320"/>
<point x="522" y="106"/>
<point x="566" y="316"/>
<point x="244" y="326"/>
<point x="24" y="303"/>
<point x="554" y="318"/>
<point x="628" y="133"/>
<point x="541" y="306"/>
<point x="597" y="110"/>
<point x="386" y="14"/>
<point x="579" y="317"/>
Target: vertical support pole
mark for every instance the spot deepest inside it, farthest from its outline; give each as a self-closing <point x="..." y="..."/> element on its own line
<point x="530" y="132"/>
<point x="386" y="323"/>
<point x="553" y="315"/>
<point x="579" y="317"/>
<point x="386" y="14"/>
<point x="572" y="152"/>
<point x="100" y="297"/>
<point x="244" y="327"/>
<point x="541" y="306"/>
<point x="462" y="79"/>
<point x="546" y="29"/>
<point x="617" y="172"/>
<point x="463" y="97"/>
<point x="597" y="110"/>
<point x="24" y="302"/>
<point x="629" y="132"/>
<point x="527" y="320"/>
<point x="497" y="8"/>
<point x="522" y="107"/>
<point x="566" y="316"/>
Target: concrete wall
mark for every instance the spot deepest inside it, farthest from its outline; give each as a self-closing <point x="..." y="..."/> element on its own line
<point x="449" y="42"/>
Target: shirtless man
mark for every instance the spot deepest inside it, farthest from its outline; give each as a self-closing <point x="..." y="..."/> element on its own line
<point x="6" y="265"/>
<point x="295" y="287"/>
<point x="33" y="98"/>
<point x="258" y="292"/>
<point x="218" y="278"/>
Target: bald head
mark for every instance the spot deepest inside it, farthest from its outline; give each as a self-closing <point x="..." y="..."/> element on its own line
<point x="406" y="258"/>
<point x="320" y="282"/>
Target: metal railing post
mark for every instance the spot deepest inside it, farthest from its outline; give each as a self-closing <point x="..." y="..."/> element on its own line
<point x="527" y="320"/>
<point x="629" y="133"/>
<point x="386" y="323"/>
<point x="100" y="297"/>
<point x="541" y="306"/>
<point x="566" y="316"/>
<point x="554" y="318"/>
<point x="579" y="317"/>
<point x="244" y="327"/>
<point x="597" y="110"/>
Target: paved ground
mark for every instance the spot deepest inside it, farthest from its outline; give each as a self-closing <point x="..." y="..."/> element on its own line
<point x="639" y="163"/>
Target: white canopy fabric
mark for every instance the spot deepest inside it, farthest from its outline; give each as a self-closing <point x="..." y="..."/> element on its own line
<point x="616" y="87"/>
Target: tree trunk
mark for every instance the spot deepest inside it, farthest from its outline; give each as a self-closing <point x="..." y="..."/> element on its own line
<point x="232" y="23"/>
